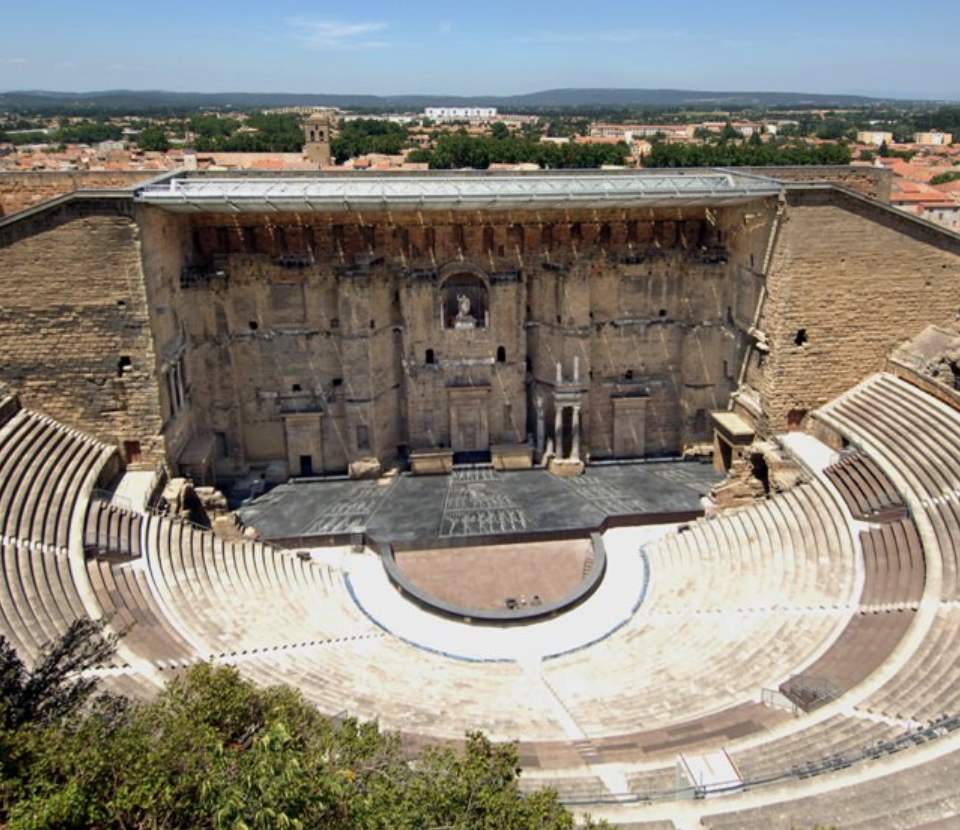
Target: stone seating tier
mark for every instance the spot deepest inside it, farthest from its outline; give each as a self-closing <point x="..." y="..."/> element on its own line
<point x="112" y="531"/>
<point x="924" y="796"/>
<point x="47" y="472"/>
<point x="868" y="493"/>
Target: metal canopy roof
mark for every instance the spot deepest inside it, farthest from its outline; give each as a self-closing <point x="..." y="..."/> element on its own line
<point x="365" y="191"/>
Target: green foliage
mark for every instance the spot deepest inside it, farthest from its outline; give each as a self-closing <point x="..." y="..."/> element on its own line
<point x="260" y="133"/>
<point x="88" y="132"/>
<point x="153" y="138"/>
<point x="834" y="129"/>
<point x="886" y="152"/>
<point x="52" y="689"/>
<point x="567" y="127"/>
<point x="729" y="133"/>
<point x="946" y="119"/>
<point x="499" y="130"/>
<point x="867" y="155"/>
<point x="213" y="127"/>
<point x="945" y="178"/>
<point x="459" y="150"/>
<point x="368" y="135"/>
<point x="215" y="752"/>
<point x="25" y="138"/>
<point x="729" y="154"/>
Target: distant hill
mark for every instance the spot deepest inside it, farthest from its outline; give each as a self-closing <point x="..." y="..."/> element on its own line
<point x="139" y="100"/>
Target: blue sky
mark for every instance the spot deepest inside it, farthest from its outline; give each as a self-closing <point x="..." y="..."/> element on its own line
<point x="490" y="46"/>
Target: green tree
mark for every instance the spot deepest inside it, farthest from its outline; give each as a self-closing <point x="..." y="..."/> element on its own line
<point x="153" y="138"/>
<point x="729" y="133"/>
<point x="54" y="687"/>
<point x="499" y="130"/>
<point x="87" y="132"/>
<point x="213" y="751"/>
<point x="945" y="178"/>
<point x="369" y="135"/>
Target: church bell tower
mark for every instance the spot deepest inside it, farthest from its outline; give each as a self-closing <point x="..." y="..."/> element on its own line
<point x="316" y="146"/>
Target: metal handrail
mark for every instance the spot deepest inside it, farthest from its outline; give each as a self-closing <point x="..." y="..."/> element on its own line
<point x="827" y="763"/>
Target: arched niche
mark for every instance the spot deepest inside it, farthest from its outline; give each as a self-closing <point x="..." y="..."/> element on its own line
<point x="465" y="299"/>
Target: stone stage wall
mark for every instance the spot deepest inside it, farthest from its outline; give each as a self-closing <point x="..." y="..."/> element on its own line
<point x="328" y="339"/>
<point x="329" y="336"/>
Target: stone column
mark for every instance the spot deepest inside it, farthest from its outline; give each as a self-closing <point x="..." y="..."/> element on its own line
<point x="558" y="430"/>
<point x="559" y="373"/>
<point x="575" y="443"/>
<point x="541" y="427"/>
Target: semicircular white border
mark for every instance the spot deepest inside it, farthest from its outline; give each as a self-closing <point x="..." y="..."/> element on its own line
<point x="614" y="602"/>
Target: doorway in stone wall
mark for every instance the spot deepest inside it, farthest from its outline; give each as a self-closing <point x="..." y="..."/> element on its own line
<point x="566" y="417"/>
<point x="795" y="419"/>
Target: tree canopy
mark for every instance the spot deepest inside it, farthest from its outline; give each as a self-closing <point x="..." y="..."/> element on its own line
<point x="260" y="133"/>
<point x="214" y="751"/>
<point x="368" y="135"/>
<point x="459" y="150"/>
<point x="730" y="154"/>
<point x="153" y="138"/>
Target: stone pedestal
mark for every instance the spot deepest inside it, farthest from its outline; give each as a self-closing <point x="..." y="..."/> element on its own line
<point x="365" y="468"/>
<point x="566" y="467"/>
<point x="511" y="457"/>
<point x="431" y="462"/>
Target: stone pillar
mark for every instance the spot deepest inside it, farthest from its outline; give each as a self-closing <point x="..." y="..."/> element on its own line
<point x="575" y="443"/>
<point x="559" y="373"/>
<point x="558" y="429"/>
<point x="541" y="427"/>
<point x="576" y="368"/>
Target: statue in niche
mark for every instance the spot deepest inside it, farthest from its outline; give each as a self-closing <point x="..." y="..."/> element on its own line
<point x="464" y="319"/>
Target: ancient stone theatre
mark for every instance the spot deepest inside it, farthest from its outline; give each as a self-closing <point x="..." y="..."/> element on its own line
<point x="654" y="472"/>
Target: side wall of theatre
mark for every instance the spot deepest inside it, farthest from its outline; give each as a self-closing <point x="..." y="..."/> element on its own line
<point x="75" y="336"/>
<point x="848" y="281"/>
<point x="19" y="191"/>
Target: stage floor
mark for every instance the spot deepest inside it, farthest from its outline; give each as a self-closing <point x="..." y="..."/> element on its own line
<point x="410" y="510"/>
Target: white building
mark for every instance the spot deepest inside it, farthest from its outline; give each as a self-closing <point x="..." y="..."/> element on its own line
<point x="935" y="137"/>
<point x="460" y="113"/>
<point x="877" y="137"/>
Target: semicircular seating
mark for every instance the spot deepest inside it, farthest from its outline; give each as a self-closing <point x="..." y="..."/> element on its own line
<point x="47" y="472"/>
<point x="848" y="579"/>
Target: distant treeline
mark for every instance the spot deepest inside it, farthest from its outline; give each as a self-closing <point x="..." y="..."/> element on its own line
<point x="456" y="150"/>
<point x="89" y="132"/>
<point x="260" y="133"/>
<point x="730" y="154"/>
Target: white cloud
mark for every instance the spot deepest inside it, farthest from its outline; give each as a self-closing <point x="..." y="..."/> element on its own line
<point x="14" y="61"/>
<point x="611" y="36"/>
<point x="333" y="34"/>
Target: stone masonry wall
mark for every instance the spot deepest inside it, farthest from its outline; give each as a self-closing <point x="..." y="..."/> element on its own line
<point x="874" y="182"/>
<point x="342" y="316"/>
<point x="19" y="191"/>
<point x="849" y="281"/>
<point x="75" y="331"/>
